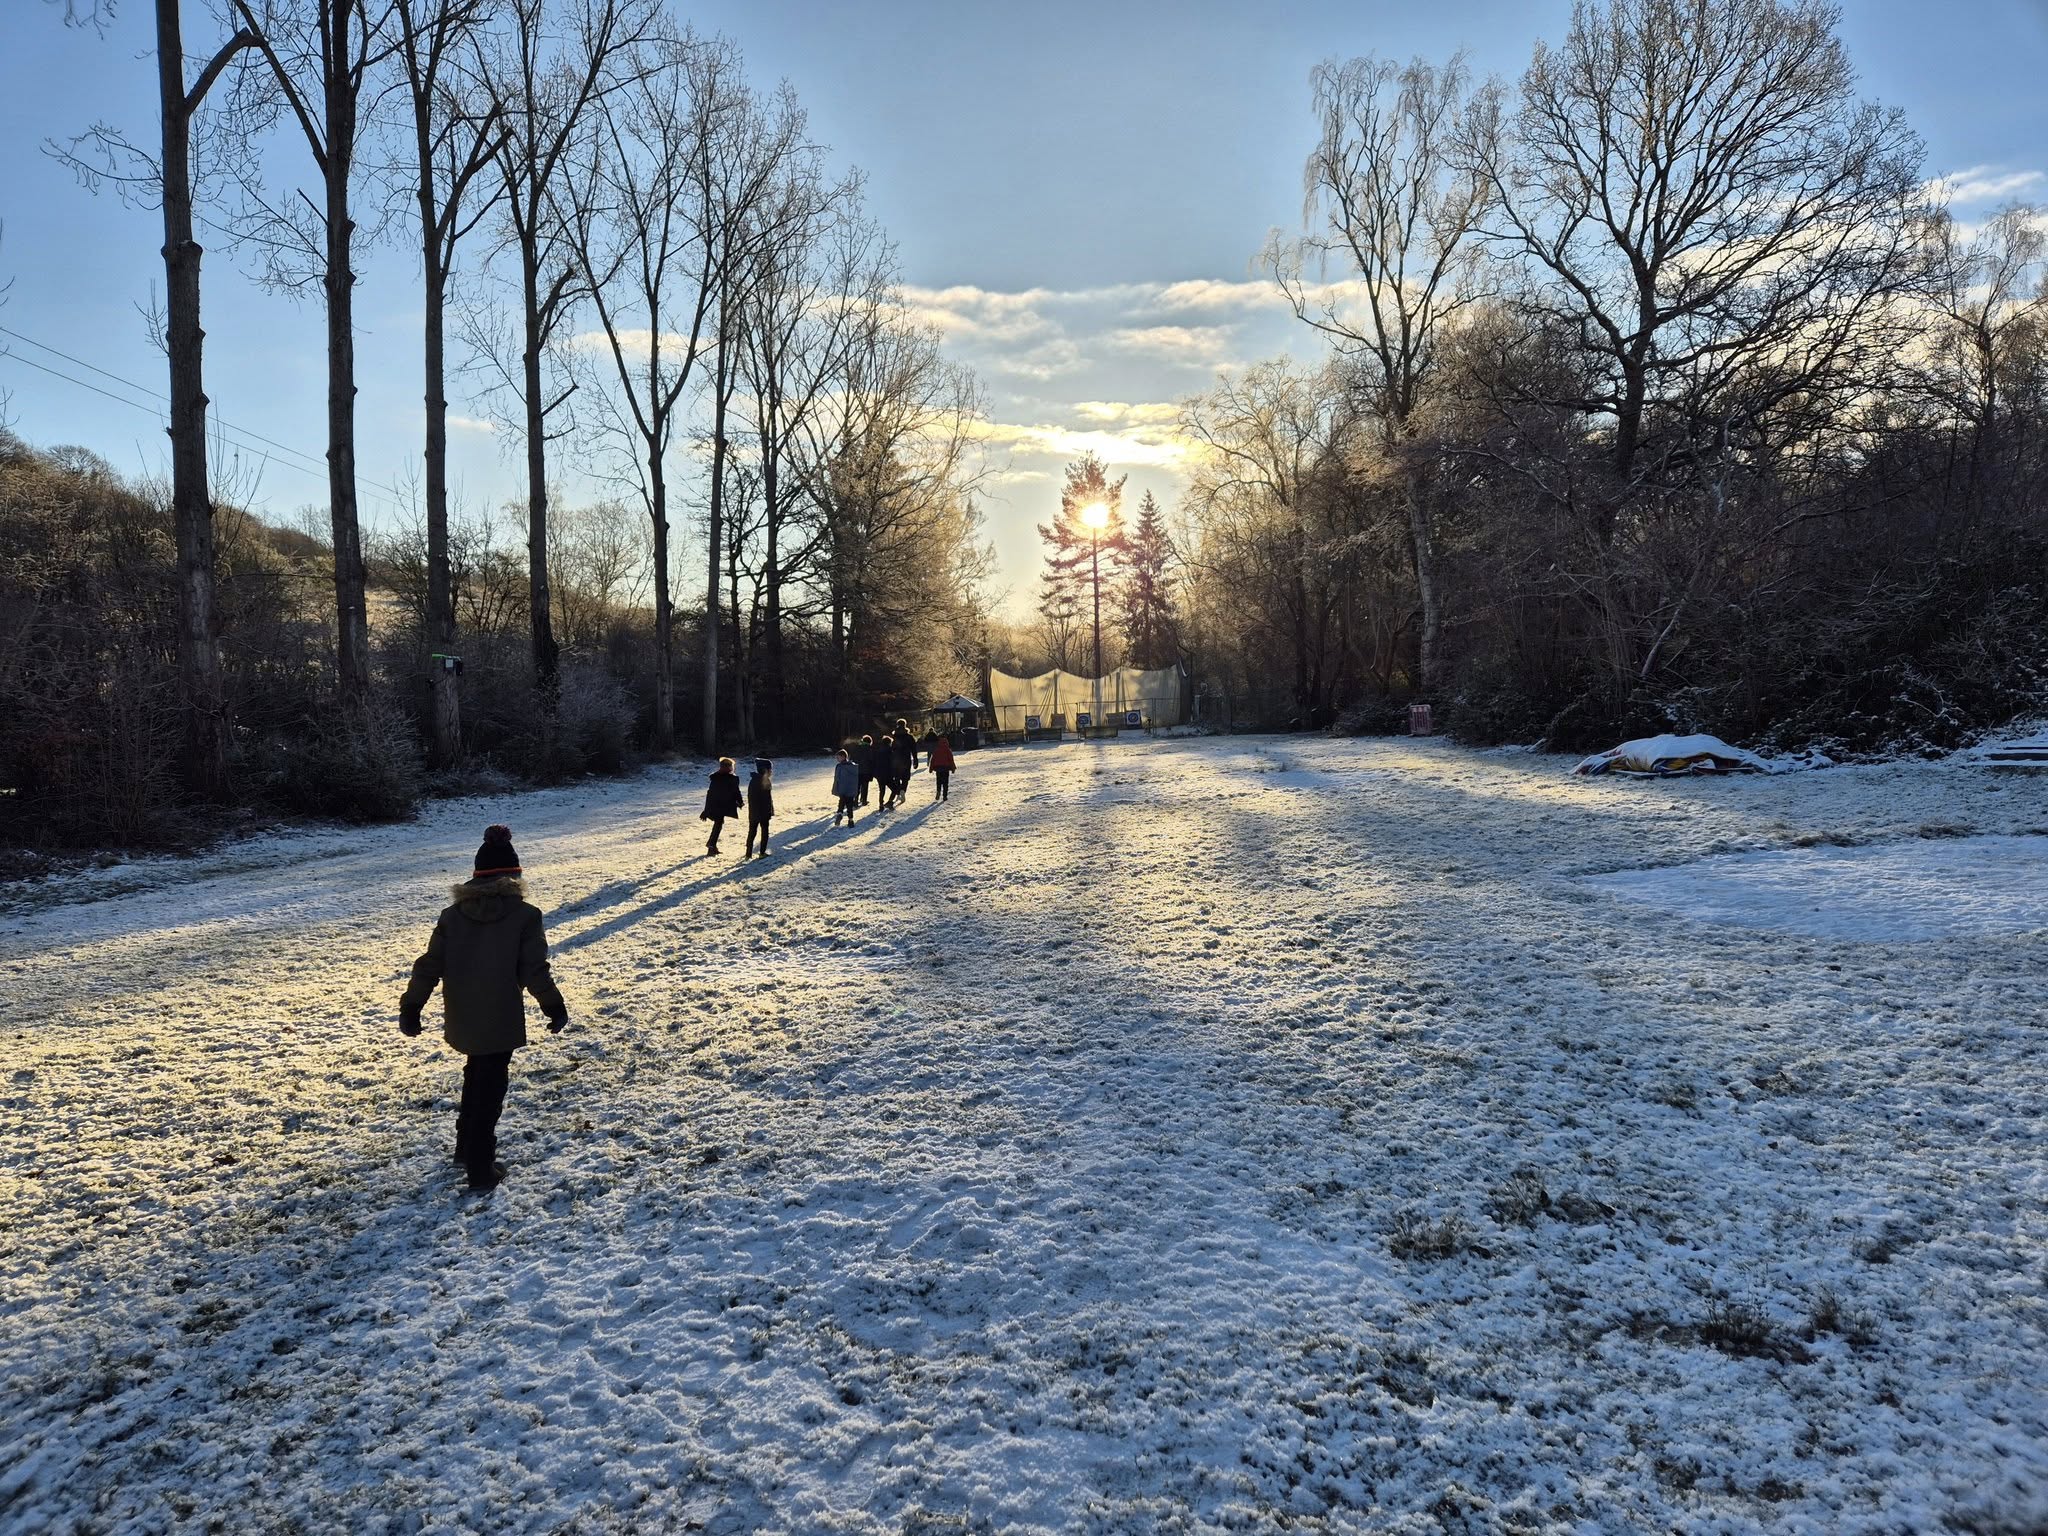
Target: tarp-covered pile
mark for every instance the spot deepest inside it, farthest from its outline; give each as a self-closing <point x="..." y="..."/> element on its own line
<point x="1667" y="757"/>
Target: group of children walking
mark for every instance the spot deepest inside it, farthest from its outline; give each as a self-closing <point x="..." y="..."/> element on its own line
<point x="723" y="799"/>
<point x="489" y="949"/>
<point x="888" y="762"/>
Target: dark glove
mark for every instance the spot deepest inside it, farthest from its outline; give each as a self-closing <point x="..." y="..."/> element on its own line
<point x="409" y="1024"/>
<point x="556" y="1026"/>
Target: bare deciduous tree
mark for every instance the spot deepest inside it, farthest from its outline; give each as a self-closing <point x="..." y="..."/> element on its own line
<point x="1709" y="208"/>
<point x="455" y="131"/>
<point x="166" y="180"/>
<point x="887" y="464"/>
<point x="1990" y="294"/>
<point x="1274" y="443"/>
<point x="546" y="78"/>
<point x="321" y="58"/>
<point x="811" y="251"/>
<point x="641" y="227"/>
<point x="1393" y="203"/>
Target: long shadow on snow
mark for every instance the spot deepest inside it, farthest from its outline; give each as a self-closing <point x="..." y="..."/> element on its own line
<point x="787" y="849"/>
<point x="907" y="822"/>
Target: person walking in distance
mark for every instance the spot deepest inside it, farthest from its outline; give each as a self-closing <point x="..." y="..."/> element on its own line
<point x="902" y="759"/>
<point x="864" y="759"/>
<point x="760" y="804"/>
<point x="487" y="949"/>
<point x="721" y="799"/>
<point x="939" y="755"/>
<point x="846" y="786"/>
<point x="883" y="756"/>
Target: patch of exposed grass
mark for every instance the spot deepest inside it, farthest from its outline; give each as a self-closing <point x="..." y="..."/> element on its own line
<point x="1414" y="1236"/>
<point x="1519" y="1199"/>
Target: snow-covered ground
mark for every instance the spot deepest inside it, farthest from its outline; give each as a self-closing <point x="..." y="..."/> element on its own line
<point x="1248" y="1135"/>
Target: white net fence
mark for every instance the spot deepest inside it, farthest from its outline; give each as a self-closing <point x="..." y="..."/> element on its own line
<point x="1055" y="700"/>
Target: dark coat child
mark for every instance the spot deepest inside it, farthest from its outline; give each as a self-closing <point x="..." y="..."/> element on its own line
<point x="760" y="804"/>
<point x="487" y="949"/>
<point x="903" y="756"/>
<point x="721" y="799"/>
<point x="882" y="766"/>
<point x="845" y="787"/>
<point x="864" y="759"/>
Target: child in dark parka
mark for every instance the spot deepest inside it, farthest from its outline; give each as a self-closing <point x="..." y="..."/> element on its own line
<point x="845" y="787"/>
<point x="760" y="804"/>
<point x="487" y="949"/>
<point x="721" y="799"/>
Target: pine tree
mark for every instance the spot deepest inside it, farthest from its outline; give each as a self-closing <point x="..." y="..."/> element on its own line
<point x="1151" y="627"/>
<point x="1078" y="555"/>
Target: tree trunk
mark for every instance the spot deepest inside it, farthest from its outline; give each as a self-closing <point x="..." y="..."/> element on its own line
<point x="1301" y="684"/>
<point x="664" y="612"/>
<point x="1628" y="427"/>
<point x="440" y="593"/>
<point x="547" y="656"/>
<point x="352" y="624"/>
<point x="771" y="575"/>
<point x="1423" y="539"/>
<point x="840" y="717"/>
<point x="715" y="544"/>
<point x="742" y="658"/>
<point x="205" y="709"/>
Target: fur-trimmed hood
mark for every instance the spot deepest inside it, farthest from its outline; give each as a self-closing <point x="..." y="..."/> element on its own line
<point x="485" y="901"/>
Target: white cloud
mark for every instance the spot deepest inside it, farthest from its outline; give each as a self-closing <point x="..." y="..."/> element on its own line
<point x="1983" y="184"/>
<point x="1122" y="413"/>
<point x="1048" y="359"/>
<point x="1148" y="447"/>
<point x="1208" y="293"/>
<point x="1193" y="345"/>
<point x="674" y="344"/>
<point x="471" y="424"/>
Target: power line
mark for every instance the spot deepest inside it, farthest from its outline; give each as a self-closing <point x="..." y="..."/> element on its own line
<point x="309" y="460"/>
<point x="156" y="395"/>
<point x="156" y="410"/>
<point x="306" y="463"/>
<point x="153" y="410"/>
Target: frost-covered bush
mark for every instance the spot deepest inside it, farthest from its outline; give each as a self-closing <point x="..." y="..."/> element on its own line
<point x="361" y="773"/>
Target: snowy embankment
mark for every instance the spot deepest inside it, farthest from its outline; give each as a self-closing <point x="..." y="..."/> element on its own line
<point x="1216" y="1135"/>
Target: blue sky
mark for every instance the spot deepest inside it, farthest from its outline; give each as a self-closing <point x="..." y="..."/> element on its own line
<point x="1076" y="190"/>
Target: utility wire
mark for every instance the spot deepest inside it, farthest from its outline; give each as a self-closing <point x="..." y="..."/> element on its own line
<point x="157" y="410"/>
<point x="214" y="419"/>
<point x="153" y="410"/>
<point x="305" y="463"/>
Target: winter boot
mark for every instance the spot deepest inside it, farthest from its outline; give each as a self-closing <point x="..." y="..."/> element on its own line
<point x="482" y="1177"/>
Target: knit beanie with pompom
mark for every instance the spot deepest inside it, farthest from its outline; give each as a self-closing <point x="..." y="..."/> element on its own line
<point x="496" y="857"/>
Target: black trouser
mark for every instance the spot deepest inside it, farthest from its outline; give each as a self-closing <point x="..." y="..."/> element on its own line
<point x="717" y="826"/>
<point x="845" y="809"/>
<point x="866" y="779"/>
<point x="483" y="1100"/>
<point x="944" y="776"/>
<point x="757" y="824"/>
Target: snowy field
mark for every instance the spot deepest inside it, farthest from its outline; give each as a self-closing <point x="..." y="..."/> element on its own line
<point x="1250" y="1135"/>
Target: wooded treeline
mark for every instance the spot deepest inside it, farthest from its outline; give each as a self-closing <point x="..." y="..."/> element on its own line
<point x="642" y="267"/>
<point x="1662" y="390"/>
